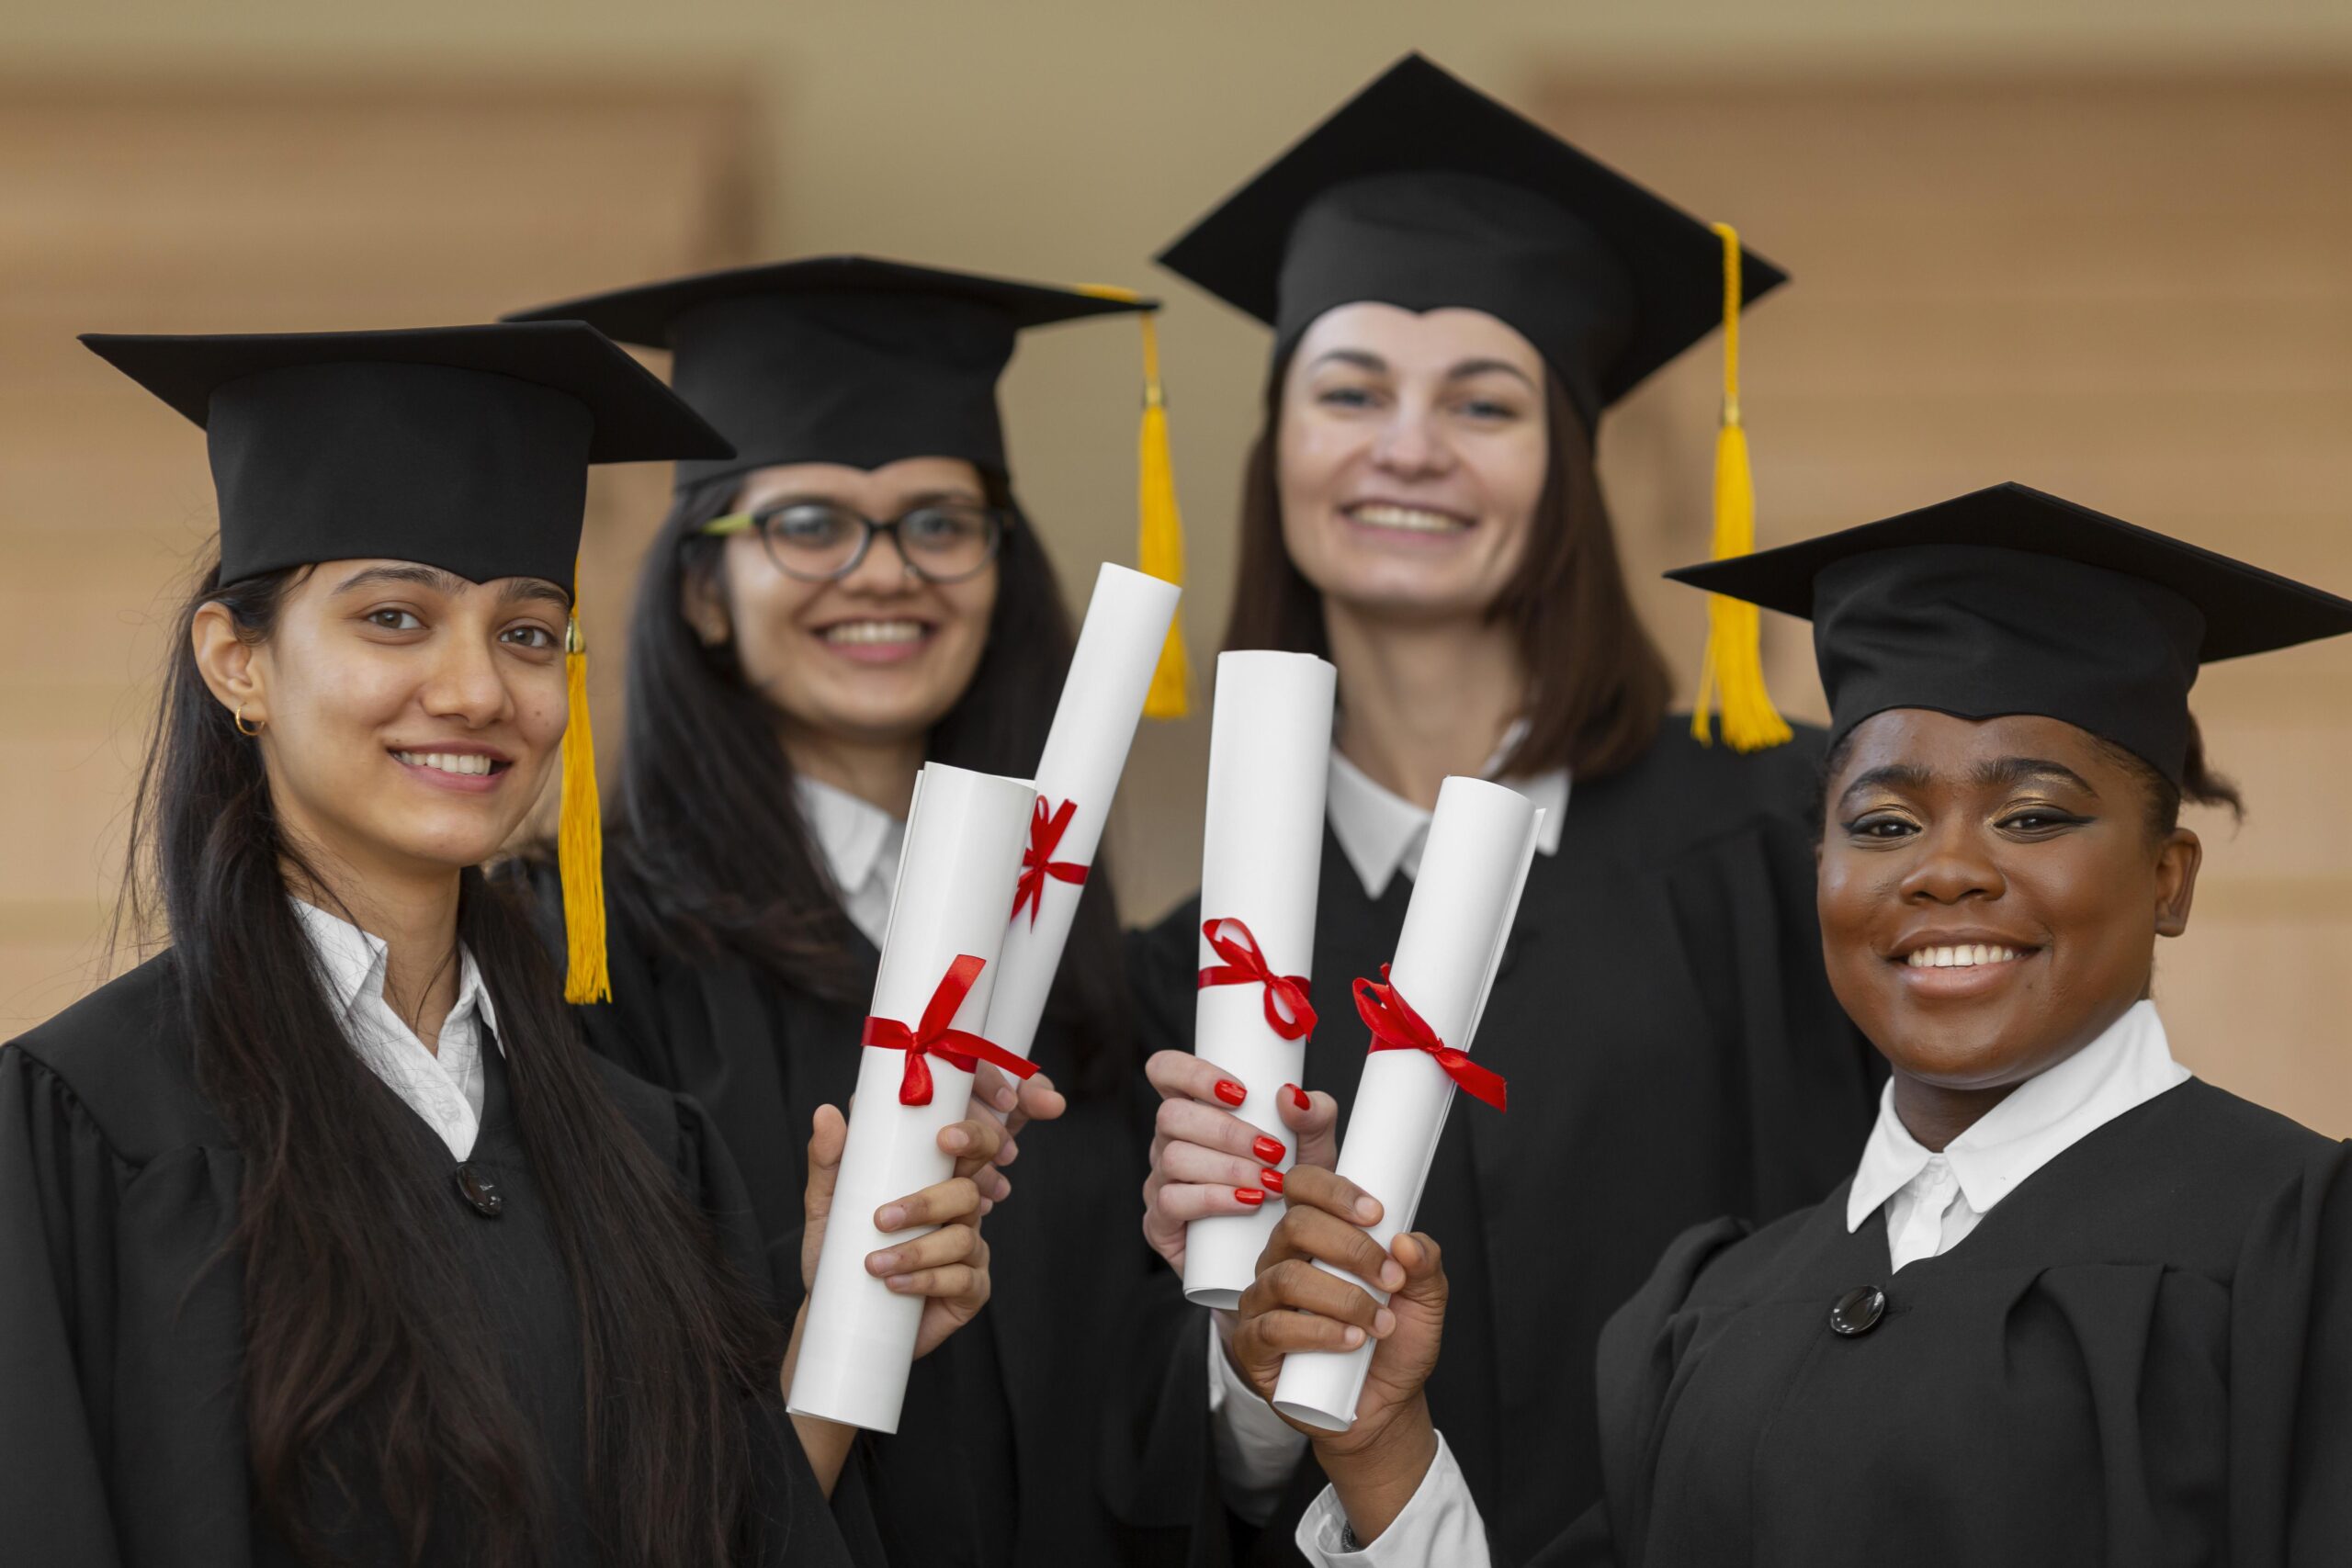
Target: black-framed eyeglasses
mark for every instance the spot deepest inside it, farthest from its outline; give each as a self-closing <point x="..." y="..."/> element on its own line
<point x="818" y="541"/>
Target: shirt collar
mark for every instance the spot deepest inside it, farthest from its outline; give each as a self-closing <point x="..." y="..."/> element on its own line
<point x="853" y="834"/>
<point x="354" y="963"/>
<point x="1383" y="833"/>
<point x="2130" y="1064"/>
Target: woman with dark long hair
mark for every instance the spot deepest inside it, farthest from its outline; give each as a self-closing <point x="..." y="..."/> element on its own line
<point x="325" y="1240"/>
<point x="1457" y="295"/>
<point x="2071" y="1305"/>
<point x="857" y="591"/>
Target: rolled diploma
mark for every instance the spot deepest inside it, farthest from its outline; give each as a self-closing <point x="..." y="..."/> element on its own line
<point x="1127" y="621"/>
<point x="964" y="834"/>
<point x="1262" y="856"/>
<point x="1481" y="842"/>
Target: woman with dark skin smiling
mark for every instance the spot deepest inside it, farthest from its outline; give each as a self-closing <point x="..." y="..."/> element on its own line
<point x="854" y="592"/>
<point x="1457" y="298"/>
<point x="2073" y="1306"/>
<point x="325" y="1240"/>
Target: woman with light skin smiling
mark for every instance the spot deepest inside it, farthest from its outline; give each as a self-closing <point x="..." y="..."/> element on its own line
<point x="326" y="1240"/>
<point x="2074" y="1305"/>
<point x="1457" y="297"/>
<point x="855" y="592"/>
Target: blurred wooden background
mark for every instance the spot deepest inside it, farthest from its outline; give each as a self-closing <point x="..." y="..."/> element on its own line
<point x="2128" y="290"/>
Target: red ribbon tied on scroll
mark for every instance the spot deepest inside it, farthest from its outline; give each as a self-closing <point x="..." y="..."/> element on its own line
<point x="1037" y="862"/>
<point x="932" y="1037"/>
<point x="1396" y="1027"/>
<point x="1288" y="1013"/>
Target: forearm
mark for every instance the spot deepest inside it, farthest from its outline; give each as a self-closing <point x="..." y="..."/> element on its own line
<point x="827" y="1443"/>
<point x="1374" y="1481"/>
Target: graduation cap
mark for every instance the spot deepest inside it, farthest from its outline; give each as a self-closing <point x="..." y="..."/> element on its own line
<point x="2011" y="600"/>
<point x="861" y="361"/>
<point x="1424" y="193"/>
<point x="465" y="448"/>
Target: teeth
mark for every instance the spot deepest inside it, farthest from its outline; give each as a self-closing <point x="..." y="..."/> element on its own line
<point x="1962" y="957"/>
<point x="1411" y="518"/>
<point x="874" y="632"/>
<point x="446" y="761"/>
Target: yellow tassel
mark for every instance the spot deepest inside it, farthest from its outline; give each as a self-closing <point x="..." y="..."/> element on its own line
<point x="579" y="837"/>
<point x="1732" y="672"/>
<point x="1159" y="546"/>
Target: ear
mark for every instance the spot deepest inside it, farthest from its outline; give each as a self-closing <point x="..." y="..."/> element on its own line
<point x="702" y="600"/>
<point x="2177" y="860"/>
<point x="230" y="665"/>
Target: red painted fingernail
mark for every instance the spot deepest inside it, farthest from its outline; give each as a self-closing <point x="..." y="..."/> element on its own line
<point x="1267" y="1149"/>
<point x="1298" y="1096"/>
<point x="1230" y="1092"/>
<point x="1270" y="1180"/>
<point x="1249" y="1195"/>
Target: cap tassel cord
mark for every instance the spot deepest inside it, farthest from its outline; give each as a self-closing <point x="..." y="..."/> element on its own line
<point x="1160" y="547"/>
<point x="1732" y="671"/>
<point x="580" y="836"/>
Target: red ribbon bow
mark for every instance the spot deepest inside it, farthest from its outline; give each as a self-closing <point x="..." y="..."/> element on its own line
<point x="932" y="1037"/>
<point x="1396" y="1027"/>
<point x="1288" y="1012"/>
<point x="1037" y="862"/>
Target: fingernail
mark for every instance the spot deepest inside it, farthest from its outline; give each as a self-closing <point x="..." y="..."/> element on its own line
<point x="1230" y="1092"/>
<point x="882" y="1262"/>
<point x="891" y="1217"/>
<point x="1298" y="1096"/>
<point x="1249" y="1195"/>
<point x="956" y="1139"/>
<point x="901" y="1281"/>
<point x="1392" y="1277"/>
<point x="1351" y="1335"/>
<point x="1383" y="1323"/>
<point x="1267" y="1149"/>
<point x="1270" y="1180"/>
<point x="1007" y="1097"/>
<point x="1367" y="1210"/>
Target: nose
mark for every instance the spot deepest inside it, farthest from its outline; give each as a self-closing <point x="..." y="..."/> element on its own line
<point x="1410" y="445"/>
<point x="1953" y="867"/>
<point x="466" y="684"/>
<point x="882" y="570"/>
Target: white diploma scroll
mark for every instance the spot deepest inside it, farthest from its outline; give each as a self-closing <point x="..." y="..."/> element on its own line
<point x="1127" y="621"/>
<point x="965" y="832"/>
<point x="1473" y="870"/>
<point x="1270" y="757"/>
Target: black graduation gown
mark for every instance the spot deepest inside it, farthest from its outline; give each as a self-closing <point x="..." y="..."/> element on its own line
<point x="998" y="1458"/>
<point x="2142" y="1358"/>
<point x="1674" y="1053"/>
<point x="122" y="1438"/>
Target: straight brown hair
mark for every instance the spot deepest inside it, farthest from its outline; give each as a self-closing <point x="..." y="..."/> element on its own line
<point x="1597" y="687"/>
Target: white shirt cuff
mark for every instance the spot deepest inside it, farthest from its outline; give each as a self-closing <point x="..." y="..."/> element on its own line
<point x="1256" y="1450"/>
<point x="1439" y="1525"/>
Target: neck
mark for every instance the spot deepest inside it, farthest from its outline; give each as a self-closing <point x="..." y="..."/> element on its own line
<point x="412" y="911"/>
<point x="880" y="772"/>
<point x="1420" y="701"/>
<point x="1935" y="1113"/>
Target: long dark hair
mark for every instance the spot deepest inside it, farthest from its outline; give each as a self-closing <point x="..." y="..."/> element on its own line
<point x="1597" y="686"/>
<point x="716" y="858"/>
<point x="369" y="1365"/>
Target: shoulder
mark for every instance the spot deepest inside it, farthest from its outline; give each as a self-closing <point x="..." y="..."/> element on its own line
<point x="655" y="1112"/>
<point x="2213" y="1140"/>
<point x="122" y="1052"/>
<point x="1683" y="792"/>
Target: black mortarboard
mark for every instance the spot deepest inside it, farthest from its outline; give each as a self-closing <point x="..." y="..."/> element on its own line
<point x="462" y="447"/>
<point x="838" y="359"/>
<point x="1423" y="192"/>
<point x="2010" y="601"/>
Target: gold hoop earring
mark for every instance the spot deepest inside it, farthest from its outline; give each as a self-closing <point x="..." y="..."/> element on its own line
<point x="240" y="722"/>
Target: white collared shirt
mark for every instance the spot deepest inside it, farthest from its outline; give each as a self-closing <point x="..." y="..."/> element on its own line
<point x="444" y="1087"/>
<point x="861" y="843"/>
<point x="1381" y="833"/>
<point x="1934" y="1201"/>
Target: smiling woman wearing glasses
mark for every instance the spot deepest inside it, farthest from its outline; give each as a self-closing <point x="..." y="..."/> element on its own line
<point x="853" y="593"/>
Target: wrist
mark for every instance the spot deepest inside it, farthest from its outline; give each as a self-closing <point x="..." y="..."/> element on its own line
<point x="1376" y="1477"/>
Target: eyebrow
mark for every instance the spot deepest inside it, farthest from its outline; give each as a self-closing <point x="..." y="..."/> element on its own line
<point x="1461" y="372"/>
<point x="1355" y="356"/>
<point x="2000" y="772"/>
<point x="521" y="589"/>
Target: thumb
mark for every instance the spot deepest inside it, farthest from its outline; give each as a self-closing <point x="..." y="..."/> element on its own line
<point x="1313" y="1120"/>
<point x="1424" y="1271"/>
<point x="828" y="1135"/>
